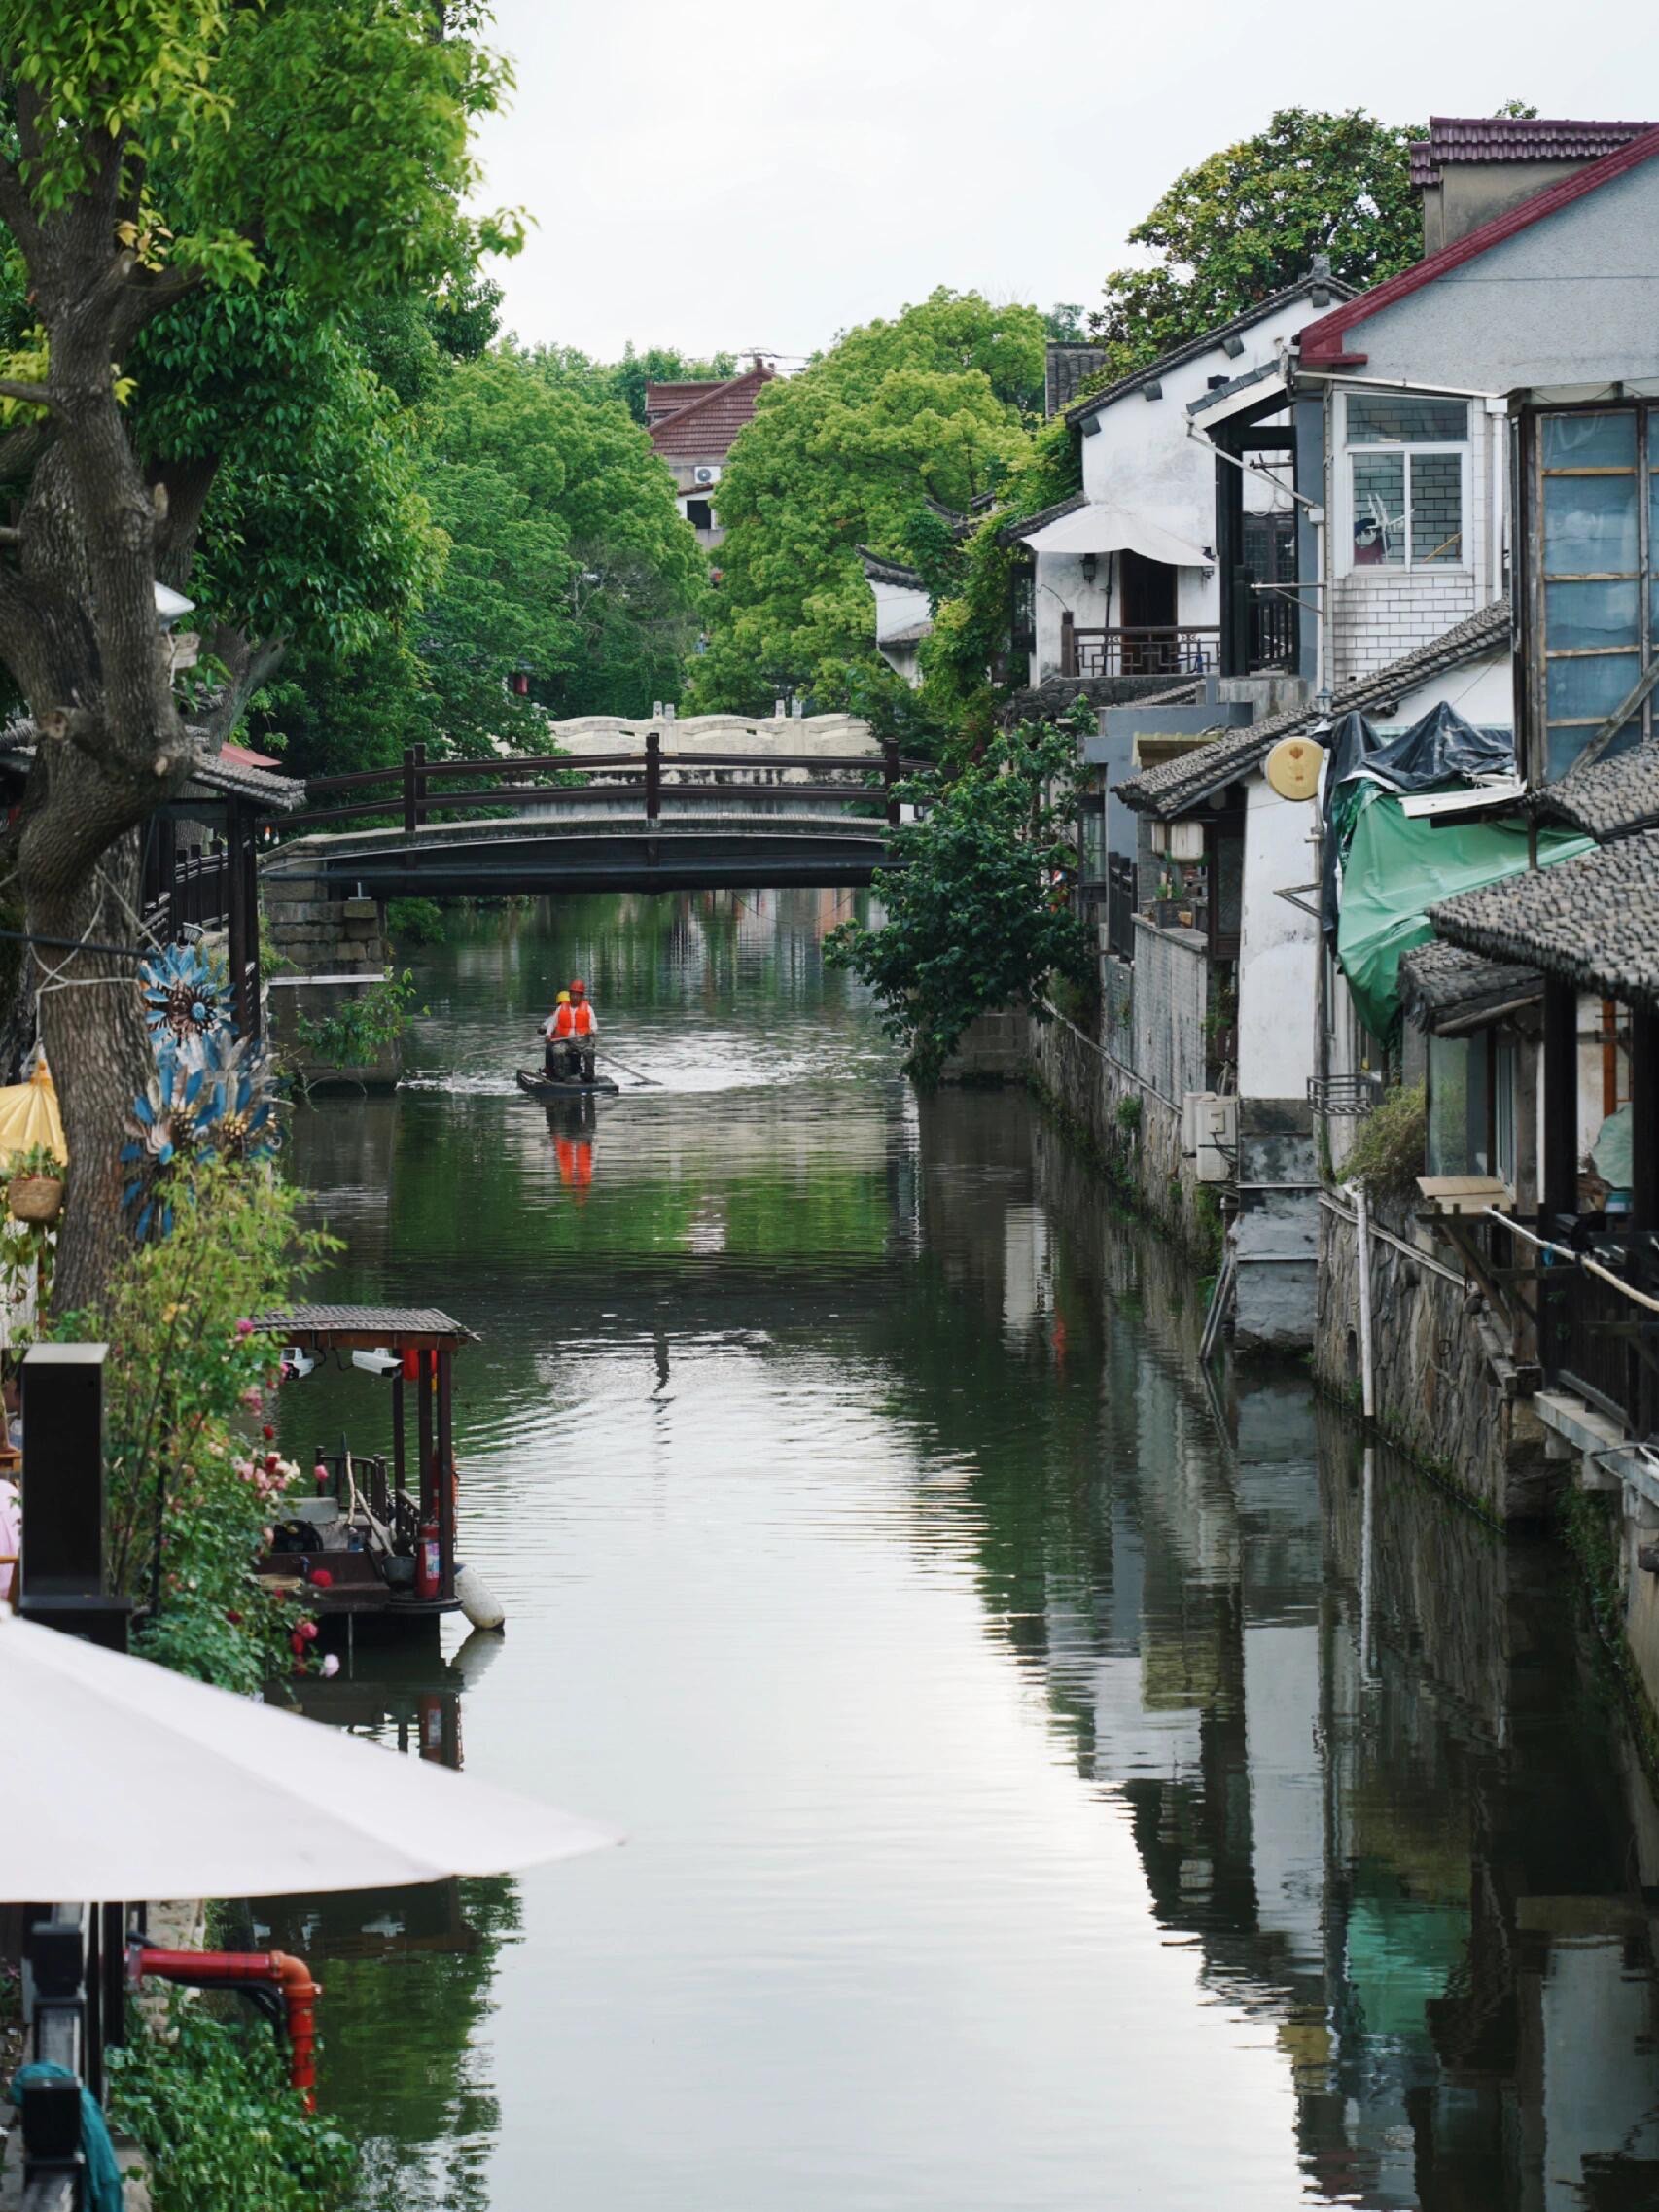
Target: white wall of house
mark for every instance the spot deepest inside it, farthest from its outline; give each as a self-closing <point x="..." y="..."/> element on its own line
<point x="1278" y="947"/>
<point x="1140" y="458"/>
<point x="897" y="607"/>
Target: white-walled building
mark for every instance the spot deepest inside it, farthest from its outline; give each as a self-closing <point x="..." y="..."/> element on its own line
<point x="1130" y="576"/>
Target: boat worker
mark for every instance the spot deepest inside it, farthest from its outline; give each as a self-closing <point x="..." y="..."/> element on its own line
<point x="559" y="1030"/>
<point x="584" y="1027"/>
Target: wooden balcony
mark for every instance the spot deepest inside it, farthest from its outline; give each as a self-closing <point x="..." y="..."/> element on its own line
<point x="1173" y="651"/>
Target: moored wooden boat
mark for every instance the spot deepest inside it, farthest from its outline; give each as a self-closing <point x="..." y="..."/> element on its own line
<point x="375" y="1542"/>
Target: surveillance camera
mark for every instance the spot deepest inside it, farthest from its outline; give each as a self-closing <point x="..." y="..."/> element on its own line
<point x="379" y="1362"/>
<point x="297" y="1364"/>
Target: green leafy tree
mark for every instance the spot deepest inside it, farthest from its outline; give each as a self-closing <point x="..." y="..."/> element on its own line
<point x="978" y="914"/>
<point x="1249" y="219"/>
<point x="150" y="152"/>
<point x="930" y="407"/>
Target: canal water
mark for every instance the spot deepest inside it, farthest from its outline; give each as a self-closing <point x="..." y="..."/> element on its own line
<point x="1050" y="1782"/>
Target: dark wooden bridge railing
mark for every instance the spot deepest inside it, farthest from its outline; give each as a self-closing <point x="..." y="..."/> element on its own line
<point x="421" y="786"/>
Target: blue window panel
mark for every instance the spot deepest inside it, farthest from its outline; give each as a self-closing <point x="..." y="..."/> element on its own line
<point x="1590" y="441"/>
<point x="1579" y="690"/>
<point x="1566" y="744"/>
<point x="1589" y="525"/>
<point x="1581" y="618"/>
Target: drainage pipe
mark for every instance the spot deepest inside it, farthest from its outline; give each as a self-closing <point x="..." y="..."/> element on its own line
<point x="289" y="1977"/>
<point x="1362" y="1218"/>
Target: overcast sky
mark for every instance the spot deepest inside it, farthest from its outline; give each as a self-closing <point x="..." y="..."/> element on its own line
<point x="765" y="172"/>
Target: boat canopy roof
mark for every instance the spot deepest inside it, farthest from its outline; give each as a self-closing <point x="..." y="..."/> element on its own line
<point x="364" y="1328"/>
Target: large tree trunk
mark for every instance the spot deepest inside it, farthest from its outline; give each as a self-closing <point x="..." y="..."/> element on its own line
<point x="91" y="1025"/>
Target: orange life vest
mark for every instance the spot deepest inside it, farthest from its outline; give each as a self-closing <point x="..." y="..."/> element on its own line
<point x="584" y="1023"/>
<point x="562" y="1024"/>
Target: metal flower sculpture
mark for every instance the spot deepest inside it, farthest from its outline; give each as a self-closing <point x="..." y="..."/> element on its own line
<point x="163" y="1135"/>
<point x="187" y="1001"/>
<point x="239" y="1122"/>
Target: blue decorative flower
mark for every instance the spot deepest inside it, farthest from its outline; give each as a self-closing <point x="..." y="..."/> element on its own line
<point x="187" y="1000"/>
<point x="163" y="1135"/>
<point x="238" y="1120"/>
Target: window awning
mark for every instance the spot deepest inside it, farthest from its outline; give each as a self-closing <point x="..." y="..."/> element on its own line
<point x="1099" y="528"/>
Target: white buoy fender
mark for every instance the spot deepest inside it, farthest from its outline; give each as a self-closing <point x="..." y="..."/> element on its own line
<point x="479" y="1600"/>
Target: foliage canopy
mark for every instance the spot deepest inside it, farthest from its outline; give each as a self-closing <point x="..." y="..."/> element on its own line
<point x="929" y="409"/>
<point x="977" y="912"/>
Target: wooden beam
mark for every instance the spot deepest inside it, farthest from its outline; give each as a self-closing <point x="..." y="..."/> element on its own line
<point x="1645" y="1118"/>
<point x="1559" y="1148"/>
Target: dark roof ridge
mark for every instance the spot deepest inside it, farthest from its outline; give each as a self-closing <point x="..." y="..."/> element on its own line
<point x="1177" y="355"/>
<point x="1011" y="533"/>
<point x="1322" y="341"/>
<point x="892" y="572"/>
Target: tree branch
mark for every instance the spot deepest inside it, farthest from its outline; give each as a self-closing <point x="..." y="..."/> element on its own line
<point x="31" y="395"/>
<point x="22" y="445"/>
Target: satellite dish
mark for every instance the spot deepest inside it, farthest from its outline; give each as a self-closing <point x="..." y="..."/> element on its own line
<point x="1292" y="767"/>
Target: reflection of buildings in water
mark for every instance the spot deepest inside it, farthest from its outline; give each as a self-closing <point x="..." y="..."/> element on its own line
<point x="1432" y="1868"/>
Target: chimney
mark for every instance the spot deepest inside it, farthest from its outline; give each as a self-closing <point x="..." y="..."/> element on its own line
<point x="1474" y="168"/>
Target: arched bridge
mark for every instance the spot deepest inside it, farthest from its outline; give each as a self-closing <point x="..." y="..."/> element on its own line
<point x="638" y="821"/>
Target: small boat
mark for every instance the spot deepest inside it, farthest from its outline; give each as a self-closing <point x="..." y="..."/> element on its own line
<point x="536" y="1086"/>
<point x="377" y="1541"/>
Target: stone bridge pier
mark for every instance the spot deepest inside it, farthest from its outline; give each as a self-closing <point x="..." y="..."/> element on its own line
<point x="327" y="949"/>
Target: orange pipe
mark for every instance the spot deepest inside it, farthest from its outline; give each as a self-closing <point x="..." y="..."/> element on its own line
<point x="290" y="1976"/>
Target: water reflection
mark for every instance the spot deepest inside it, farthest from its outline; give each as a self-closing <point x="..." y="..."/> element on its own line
<point x="1050" y="1785"/>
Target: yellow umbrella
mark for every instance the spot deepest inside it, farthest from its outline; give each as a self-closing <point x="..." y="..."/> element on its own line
<point x="29" y="1116"/>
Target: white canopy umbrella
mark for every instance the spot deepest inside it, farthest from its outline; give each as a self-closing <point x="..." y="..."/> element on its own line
<point x="1101" y="528"/>
<point x="123" y="1779"/>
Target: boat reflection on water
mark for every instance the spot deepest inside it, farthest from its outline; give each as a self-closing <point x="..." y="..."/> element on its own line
<point x="408" y="1971"/>
<point x="572" y="1125"/>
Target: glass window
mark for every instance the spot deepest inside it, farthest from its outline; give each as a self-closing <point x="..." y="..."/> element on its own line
<point x="1589" y="525"/>
<point x="1457" y="1107"/>
<point x="1590" y="616"/>
<point x="1437" y="507"/>
<point x="1379" y="510"/>
<point x="1590" y="441"/>
<point x="1588" y="687"/>
<point x="1600" y="600"/>
<point x="1395" y="419"/>
<point x="1406" y="479"/>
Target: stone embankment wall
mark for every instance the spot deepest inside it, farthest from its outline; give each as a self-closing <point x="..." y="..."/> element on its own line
<point x="322" y="937"/>
<point x="992" y="1049"/>
<point x="1447" y="1390"/>
<point x="1133" y="1132"/>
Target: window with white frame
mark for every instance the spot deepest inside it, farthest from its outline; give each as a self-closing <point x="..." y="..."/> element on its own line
<point x="1408" y="469"/>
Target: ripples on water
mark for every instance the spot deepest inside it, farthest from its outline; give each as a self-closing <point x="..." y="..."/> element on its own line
<point x="1016" y="1819"/>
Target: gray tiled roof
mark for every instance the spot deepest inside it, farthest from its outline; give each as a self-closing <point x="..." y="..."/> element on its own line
<point x="1440" y="983"/>
<point x="1027" y="525"/>
<point x="912" y="635"/>
<point x="1186" y="780"/>
<point x="1068" y="369"/>
<point x="880" y="570"/>
<point x="1608" y="799"/>
<point x="1209" y="340"/>
<point x="1593" y="920"/>
<point x="276" y="794"/>
<point x="387" y="1322"/>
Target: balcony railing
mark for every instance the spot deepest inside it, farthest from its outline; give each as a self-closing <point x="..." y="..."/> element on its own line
<point x="1175" y="649"/>
<point x="1597" y="1342"/>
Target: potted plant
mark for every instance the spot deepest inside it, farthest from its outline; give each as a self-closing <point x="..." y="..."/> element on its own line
<point x="34" y="1188"/>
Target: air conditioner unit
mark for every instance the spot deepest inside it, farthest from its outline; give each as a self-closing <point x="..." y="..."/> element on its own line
<point x="1210" y="1133"/>
<point x="705" y="475"/>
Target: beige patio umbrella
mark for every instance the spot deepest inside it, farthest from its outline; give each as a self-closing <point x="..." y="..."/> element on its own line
<point x="123" y="1779"/>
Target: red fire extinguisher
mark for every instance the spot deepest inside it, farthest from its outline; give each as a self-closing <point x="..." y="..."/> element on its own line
<point x="429" y="1573"/>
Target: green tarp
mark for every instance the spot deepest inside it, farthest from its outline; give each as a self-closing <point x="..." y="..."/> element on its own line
<point x="1396" y="869"/>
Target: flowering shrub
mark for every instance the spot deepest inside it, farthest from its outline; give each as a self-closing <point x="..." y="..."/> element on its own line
<point x="195" y="1480"/>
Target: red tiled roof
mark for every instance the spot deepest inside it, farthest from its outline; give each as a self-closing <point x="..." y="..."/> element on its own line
<point x="705" y="428"/>
<point x="1514" y="138"/>
<point x="668" y="399"/>
<point x="1324" y="342"/>
<point x="245" y="758"/>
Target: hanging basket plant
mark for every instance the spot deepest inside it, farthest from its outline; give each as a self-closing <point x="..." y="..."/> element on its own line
<point x="34" y="1189"/>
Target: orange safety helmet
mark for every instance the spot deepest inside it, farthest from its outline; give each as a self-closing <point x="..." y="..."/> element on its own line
<point x="579" y="989"/>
